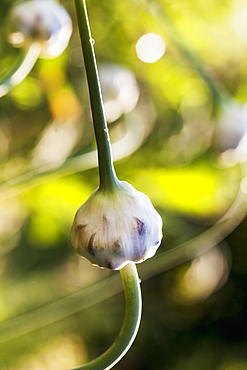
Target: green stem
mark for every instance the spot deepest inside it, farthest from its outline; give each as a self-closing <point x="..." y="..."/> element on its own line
<point x="106" y="169"/>
<point x="123" y="342"/>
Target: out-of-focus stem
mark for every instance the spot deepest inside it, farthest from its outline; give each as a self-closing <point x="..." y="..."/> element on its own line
<point x="21" y="70"/>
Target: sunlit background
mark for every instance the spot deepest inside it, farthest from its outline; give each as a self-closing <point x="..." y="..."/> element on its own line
<point x="163" y="66"/>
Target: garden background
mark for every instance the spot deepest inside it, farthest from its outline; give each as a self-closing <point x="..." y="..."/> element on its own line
<point x="170" y="140"/>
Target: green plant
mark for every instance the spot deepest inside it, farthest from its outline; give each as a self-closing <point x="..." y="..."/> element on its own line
<point x="117" y="226"/>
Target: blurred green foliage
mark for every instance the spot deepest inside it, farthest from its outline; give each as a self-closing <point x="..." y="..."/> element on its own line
<point x="194" y="315"/>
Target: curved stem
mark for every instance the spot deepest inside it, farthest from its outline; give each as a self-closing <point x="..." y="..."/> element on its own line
<point x="106" y="169"/>
<point x="21" y="70"/>
<point x="123" y="342"/>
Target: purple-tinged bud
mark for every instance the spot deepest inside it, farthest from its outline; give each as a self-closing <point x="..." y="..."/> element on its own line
<point x="113" y="228"/>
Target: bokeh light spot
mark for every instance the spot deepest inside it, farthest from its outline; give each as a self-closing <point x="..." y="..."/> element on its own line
<point x="150" y="48"/>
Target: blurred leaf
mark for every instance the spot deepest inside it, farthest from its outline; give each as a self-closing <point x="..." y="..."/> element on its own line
<point x="52" y="208"/>
<point x="196" y="190"/>
<point x="27" y="95"/>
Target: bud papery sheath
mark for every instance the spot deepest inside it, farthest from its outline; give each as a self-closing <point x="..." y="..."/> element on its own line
<point x="115" y="227"/>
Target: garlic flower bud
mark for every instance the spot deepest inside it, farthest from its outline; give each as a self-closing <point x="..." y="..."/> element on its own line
<point x="113" y="228"/>
<point x="42" y="21"/>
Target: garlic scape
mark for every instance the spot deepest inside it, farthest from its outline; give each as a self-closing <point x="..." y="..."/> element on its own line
<point x="117" y="224"/>
<point x="115" y="227"/>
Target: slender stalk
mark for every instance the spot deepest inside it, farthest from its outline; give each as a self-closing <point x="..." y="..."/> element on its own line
<point x="123" y="342"/>
<point x="106" y="169"/>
